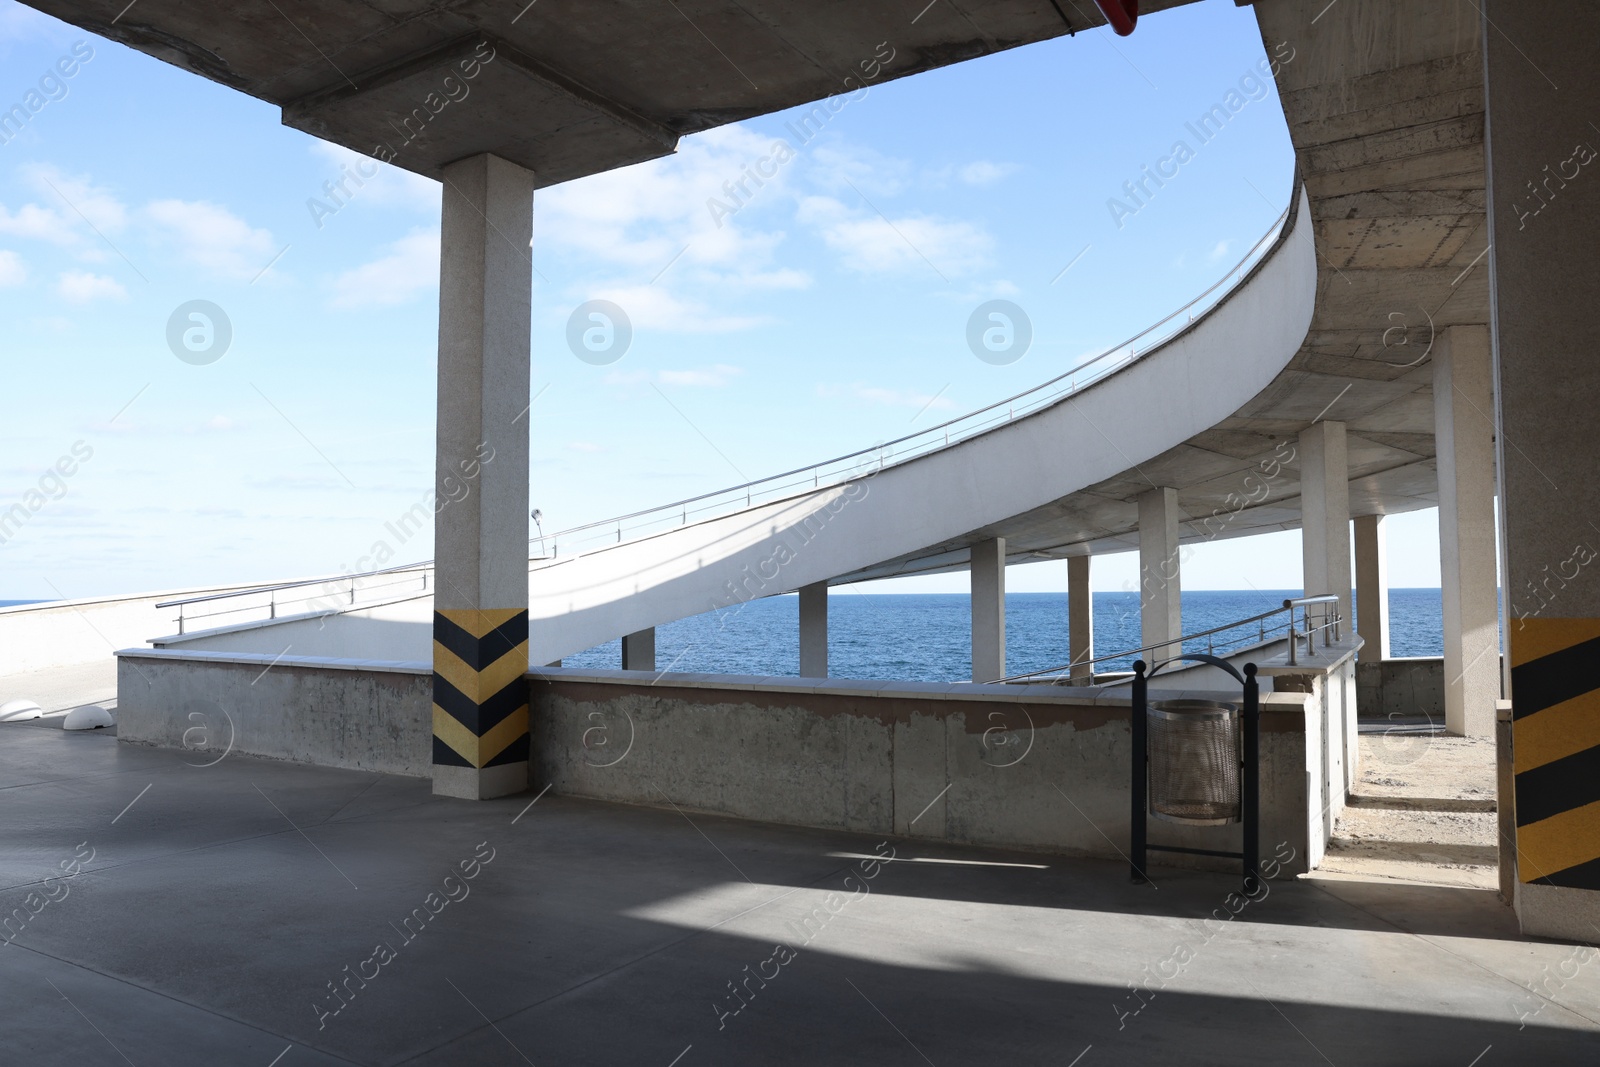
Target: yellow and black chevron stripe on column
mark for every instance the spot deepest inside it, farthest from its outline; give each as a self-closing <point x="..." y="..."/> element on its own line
<point x="1555" y="690"/>
<point x="480" y="694"/>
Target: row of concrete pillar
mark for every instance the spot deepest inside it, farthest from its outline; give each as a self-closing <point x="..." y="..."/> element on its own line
<point x="1464" y="430"/>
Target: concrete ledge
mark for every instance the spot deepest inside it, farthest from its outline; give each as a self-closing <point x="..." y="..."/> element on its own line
<point x="261" y="659"/>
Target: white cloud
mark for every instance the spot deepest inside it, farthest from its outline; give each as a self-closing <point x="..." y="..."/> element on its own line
<point x="1220" y="251"/>
<point x="900" y="398"/>
<point x="410" y="266"/>
<point x="871" y="242"/>
<point x="71" y="201"/>
<point x="643" y="216"/>
<point x="652" y="307"/>
<point x="706" y="377"/>
<point x="68" y="203"/>
<point x="12" y="271"/>
<point x="37" y="223"/>
<point x="718" y="375"/>
<point x="586" y="446"/>
<point x="854" y="170"/>
<point x="214" y="237"/>
<point x="390" y="186"/>
<point x="81" y="197"/>
<point x="81" y="287"/>
<point x="983" y="172"/>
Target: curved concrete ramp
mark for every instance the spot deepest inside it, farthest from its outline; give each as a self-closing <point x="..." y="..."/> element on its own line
<point x="1178" y="389"/>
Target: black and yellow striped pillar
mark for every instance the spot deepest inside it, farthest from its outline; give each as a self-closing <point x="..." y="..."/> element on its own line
<point x="1540" y="251"/>
<point x="1555" y="682"/>
<point x="480" y="692"/>
<point x="480" y="515"/>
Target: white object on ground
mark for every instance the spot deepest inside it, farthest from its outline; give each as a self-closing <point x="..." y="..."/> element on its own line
<point x="19" y="711"/>
<point x="88" y="717"/>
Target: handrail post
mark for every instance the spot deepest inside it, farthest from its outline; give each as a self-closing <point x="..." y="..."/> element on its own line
<point x="1251" y="800"/>
<point x="1294" y="641"/>
<point x="1138" y="727"/>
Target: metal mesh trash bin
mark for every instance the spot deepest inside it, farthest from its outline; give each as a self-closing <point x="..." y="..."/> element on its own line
<point x="1194" y="761"/>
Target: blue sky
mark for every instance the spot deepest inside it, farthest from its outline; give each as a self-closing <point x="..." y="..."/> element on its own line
<point x="828" y="312"/>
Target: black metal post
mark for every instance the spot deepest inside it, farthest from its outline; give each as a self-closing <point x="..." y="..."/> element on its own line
<point x="1138" y="730"/>
<point x="1250" y="801"/>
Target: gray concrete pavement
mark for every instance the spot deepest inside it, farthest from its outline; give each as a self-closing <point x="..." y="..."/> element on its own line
<point x="212" y="906"/>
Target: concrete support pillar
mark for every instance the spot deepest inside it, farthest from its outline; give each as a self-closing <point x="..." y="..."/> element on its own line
<point x="1080" y="620"/>
<point x="639" y="650"/>
<point x="1160" y="580"/>
<point x="814" y="630"/>
<point x="1372" y="589"/>
<point x="480" y="619"/>
<point x="989" y="610"/>
<point x="1325" y="514"/>
<point x="1544" y="219"/>
<point x="1463" y="397"/>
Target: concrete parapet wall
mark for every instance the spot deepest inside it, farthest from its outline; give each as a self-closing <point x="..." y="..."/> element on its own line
<point x="1403" y="686"/>
<point x="360" y="714"/>
<point x="971" y="764"/>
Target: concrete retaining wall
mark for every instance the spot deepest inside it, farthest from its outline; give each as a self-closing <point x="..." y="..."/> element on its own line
<point x="970" y="764"/>
<point x="362" y="714"/>
<point x="1404" y="687"/>
<point x="989" y="765"/>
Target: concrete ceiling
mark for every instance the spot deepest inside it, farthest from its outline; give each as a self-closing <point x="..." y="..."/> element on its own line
<point x="574" y="87"/>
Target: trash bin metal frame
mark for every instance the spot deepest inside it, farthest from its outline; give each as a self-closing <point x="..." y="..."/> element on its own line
<point x="1249" y="772"/>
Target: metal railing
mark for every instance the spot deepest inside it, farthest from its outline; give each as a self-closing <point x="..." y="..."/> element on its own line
<point x="337" y="591"/>
<point x="836" y="471"/>
<point x="1330" y="621"/>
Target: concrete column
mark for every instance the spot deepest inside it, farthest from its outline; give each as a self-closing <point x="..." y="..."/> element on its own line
<point x="1372" y="589"/>
<point x="480" y="619"/>
<point x="1160" y="580"/>
<point x="1325" y="514"/>
<point x="1080" y="620"/>
<point x="989" y="610"/>
<point x="814" y="630"/>
<point x="1463" y="395"/>
<point x="639" y="650"/>
<point x="1544" y="218"/>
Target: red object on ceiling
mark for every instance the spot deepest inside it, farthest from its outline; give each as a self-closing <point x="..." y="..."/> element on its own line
<point x="1122" y="14"/>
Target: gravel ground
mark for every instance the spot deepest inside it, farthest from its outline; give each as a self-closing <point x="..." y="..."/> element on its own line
<point x="1419" y="844"/>
<point x="1398" y="765"/>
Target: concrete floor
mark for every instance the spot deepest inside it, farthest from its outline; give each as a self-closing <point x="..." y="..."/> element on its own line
<point x="220" y="901"/>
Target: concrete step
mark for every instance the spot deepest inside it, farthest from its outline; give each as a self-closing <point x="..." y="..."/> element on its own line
<point x="1416" y="803"/>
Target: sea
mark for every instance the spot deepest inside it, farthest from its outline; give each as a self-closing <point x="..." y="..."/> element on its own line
<point x="925" y="636"/>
